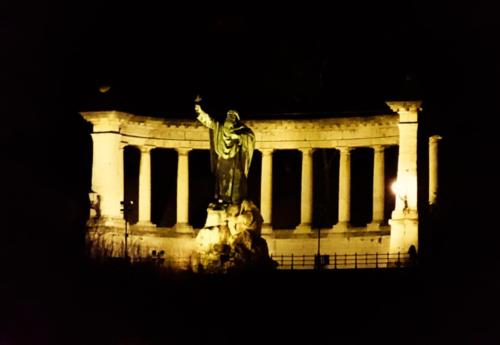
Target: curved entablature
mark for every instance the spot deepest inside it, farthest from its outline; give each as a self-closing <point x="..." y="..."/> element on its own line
<point x="270" y="134"/>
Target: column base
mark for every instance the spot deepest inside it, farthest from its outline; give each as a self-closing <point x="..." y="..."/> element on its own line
<point x="267" y="229"/>
<point x="303" y="229"/>
<point x="341" y="227"/>
<point x="144" y="224"/>
<point x="183" y="228"/>
<point x="374" y="226"/>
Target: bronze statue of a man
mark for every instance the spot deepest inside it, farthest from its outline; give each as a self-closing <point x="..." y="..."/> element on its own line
<point x="231" y="149"/>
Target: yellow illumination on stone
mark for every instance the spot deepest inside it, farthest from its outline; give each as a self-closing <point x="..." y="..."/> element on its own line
<point x="113" y="130"/>
<point x="404" y="219"/>
<point x="207" y="238"/>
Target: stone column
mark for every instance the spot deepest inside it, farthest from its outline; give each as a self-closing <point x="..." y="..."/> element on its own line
<point x="404" y="218"/>
<point x="107" y="177"/>
<point x="145" y="187"/>
<point x="182" y="225"/>
<point x="306" y="195"/>
<point x="378" y="188"/>
<point x="266" y="190"/>
<point x="344" y="190"/>
<point x="433" y="168"/>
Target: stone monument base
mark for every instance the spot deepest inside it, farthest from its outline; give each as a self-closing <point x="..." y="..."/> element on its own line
<point x="231" y="240"/>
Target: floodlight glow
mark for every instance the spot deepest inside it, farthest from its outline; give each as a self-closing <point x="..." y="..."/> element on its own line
<point x="395" y="187"/>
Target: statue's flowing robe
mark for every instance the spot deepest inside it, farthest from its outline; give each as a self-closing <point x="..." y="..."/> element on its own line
<point x="231" y="150"/>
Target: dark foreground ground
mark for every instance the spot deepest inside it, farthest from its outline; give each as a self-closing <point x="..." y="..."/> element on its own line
<point x="115" y="304"/>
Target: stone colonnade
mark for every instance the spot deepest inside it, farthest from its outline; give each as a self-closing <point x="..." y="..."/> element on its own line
<point x="344" y="197"/>
<point x="114" y="130"/>
<point x="306" y="211"/>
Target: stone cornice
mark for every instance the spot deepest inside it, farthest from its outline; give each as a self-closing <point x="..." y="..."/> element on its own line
<point x="324" y="123"/>
<point x="123" y="118"/>
<point x="270" y="133"/>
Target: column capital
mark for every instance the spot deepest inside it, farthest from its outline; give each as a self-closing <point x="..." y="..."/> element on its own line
<point x="146" y="148"/>
<point x="307" y="150"/>
<point x="266" y="152"/>
<point x="407" y="110"/>
<point x="379" y="148"/>
<point x="183" y="151"/>
<point x="404" y="106"/>
<point x="345" y="149"/>
<point x="434" y="139"/>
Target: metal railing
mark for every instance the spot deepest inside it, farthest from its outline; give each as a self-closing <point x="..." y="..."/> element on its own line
<point x="304" y="262"/>
<point x="343" y="261"/>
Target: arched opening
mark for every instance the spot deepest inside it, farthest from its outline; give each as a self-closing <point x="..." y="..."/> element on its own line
<point x="163" y="187"/>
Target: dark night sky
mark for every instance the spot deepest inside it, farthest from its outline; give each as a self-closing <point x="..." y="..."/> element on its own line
<point x="349" y="58"/>
<point x="155" y="64"/>
<point x="342" y="60"/>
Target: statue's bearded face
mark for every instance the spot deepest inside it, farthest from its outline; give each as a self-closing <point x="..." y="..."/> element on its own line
<point x="232" y="116"/>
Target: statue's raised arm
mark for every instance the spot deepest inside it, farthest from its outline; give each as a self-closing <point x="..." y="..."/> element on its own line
<point x="203" y="117"/>
<point x="231" y="147"/>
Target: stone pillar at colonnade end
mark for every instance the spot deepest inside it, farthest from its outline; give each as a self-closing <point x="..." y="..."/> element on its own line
<point x="404" y="218"/>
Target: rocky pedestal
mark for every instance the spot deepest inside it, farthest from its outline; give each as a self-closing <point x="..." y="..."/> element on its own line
<point x="231" y="240"/>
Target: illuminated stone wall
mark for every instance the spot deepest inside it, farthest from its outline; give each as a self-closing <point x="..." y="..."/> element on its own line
<point x="113" y="130"/>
